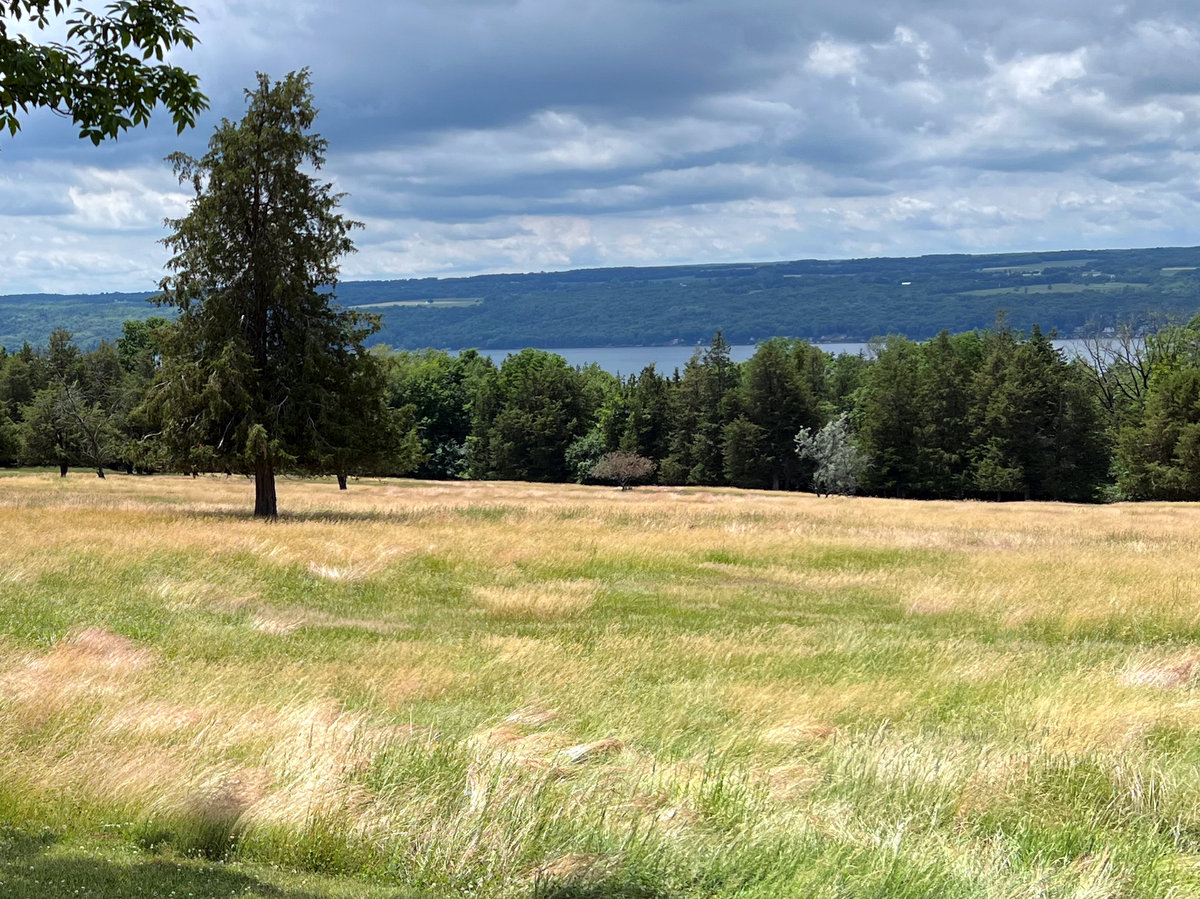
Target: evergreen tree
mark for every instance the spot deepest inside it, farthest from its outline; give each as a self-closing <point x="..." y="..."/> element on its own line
<point x="139" y="349"/>
<point x="703" y="404"/>
<point x="690" y="459"/>
<point x="10" y="441"/>
<point x="889" y="417"/>
<point x="259" y="349"/>
<point x="997" y="470"/>
<point x="362" y="434"/>
<point x="9" y="438"/>
<point x="45" y="431"/>
<point x="745" y="463"/>
<point x="63" y="362"/>
<point x="1159" y="458"/>
<point x="1037" y="431"/>
<point x="777" y="397"/>
<point x="646" y="430"/>
<point x="1083" y="451"/>
<point x="943" y="404"/>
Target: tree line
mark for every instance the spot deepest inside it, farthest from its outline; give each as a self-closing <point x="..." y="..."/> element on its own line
<point x="993" y="414"/>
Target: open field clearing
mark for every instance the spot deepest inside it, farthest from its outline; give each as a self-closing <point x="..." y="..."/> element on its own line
<point x="1063" y="287"/>
<point x="446" y="301"/>
<point x="1040" y="266"/>
<point x="430" y="689"/>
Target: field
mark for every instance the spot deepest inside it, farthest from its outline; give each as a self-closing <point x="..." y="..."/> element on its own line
<point x="1039" y="267"/>
<point x="429" y="690"/>
<point x="1063" y="287"/>
<point x="444" y="301"/>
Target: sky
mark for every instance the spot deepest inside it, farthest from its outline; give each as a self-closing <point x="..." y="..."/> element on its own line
<point x="475" y="136"/>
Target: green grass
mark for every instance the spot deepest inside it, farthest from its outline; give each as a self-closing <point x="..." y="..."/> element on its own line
<point x="44" y="864"/>
<point x="511" y="690"/>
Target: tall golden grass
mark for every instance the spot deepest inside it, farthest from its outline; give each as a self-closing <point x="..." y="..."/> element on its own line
<point x="512" y="688"/>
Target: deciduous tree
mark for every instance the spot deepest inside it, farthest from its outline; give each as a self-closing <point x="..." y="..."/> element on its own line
<point x="622" y="468"/>
<point x="109" y="72"/>
<point x="839" y="464"/>
<point x="526" y="416"/>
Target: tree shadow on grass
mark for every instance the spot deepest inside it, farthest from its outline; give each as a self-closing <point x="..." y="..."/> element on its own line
<point x="33" y="867"/>
<point x="482" y="512"/>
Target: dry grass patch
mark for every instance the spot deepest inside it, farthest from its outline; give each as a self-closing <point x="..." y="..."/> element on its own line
<point x="281" y="622"/>
<point x="88" y="664"/>
<point x="404" y="686"/>
<point x="550" y="599"/>
<point x="1171" y="670"/>
<point x="802" y="731"/>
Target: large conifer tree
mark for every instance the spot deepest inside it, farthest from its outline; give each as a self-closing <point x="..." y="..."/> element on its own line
<point x="261" y="364"/>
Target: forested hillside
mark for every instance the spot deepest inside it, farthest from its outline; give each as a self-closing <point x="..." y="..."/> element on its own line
<point x="814" y="300"/>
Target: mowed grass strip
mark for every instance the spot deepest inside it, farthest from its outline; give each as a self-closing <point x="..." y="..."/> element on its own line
<point x="417" y="689"/>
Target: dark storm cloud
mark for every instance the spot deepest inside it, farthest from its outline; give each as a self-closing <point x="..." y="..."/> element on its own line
<point x="475" y="135"/>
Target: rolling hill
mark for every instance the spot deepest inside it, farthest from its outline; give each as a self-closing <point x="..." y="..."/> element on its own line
<point x="855" y="299"/>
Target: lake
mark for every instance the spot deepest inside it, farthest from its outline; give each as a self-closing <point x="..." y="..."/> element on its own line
<point x="630" y="360"/>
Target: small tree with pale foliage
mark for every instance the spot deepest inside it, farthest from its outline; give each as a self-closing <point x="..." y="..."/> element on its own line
<point x="839" y="463"/>
<point x="624" y="469"/>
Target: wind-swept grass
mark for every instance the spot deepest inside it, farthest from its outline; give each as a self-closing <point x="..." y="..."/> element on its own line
<point x="415" y="689"/>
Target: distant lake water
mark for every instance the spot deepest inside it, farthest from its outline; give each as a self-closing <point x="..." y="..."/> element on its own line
<point x="630" y="360"/>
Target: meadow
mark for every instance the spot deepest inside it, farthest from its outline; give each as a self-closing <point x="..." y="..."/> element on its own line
<point x="498" y="690"/>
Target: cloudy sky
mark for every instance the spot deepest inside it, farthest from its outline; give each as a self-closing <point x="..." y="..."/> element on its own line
<point x="526" y="135"/>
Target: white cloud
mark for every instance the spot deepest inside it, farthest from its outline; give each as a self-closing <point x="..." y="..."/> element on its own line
<point x="124" y="199"/>
<point x="1034" y="77"/>
<point x="832" y="59"/>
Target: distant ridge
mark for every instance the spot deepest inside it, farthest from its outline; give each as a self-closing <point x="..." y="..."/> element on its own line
<point x="849" y="299"/>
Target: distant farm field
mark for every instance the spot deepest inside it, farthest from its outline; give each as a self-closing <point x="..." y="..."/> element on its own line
<point x="487" y="689"/>
<point x="443" y="301"/>
<point x="1038" y="267"/>
<point x="1064" y="287"/>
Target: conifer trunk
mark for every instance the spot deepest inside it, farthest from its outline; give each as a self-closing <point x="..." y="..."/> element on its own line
<point x="264" y="488"/>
